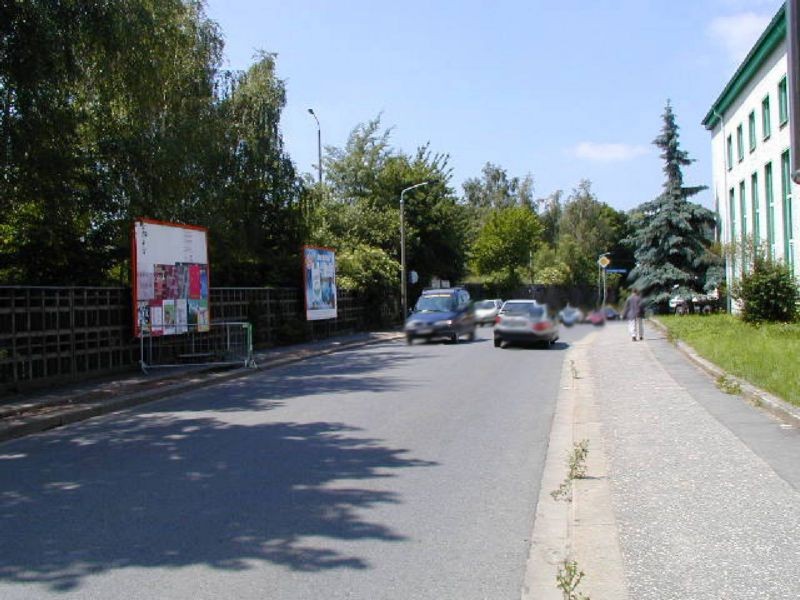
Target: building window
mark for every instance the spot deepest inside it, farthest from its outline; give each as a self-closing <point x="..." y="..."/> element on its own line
<point x="786" y="197"/>
<point x="751" y="130"/>
<point x="743" y="221"/>
<point x="730" y="153"/>
<point x="770" y="201"/>
<point x="766" y="123"/>
<point x="732" y="221"/>
<point x="756" y="209"/>
<point x="783" y="103"/>
<point x="739" y="143"/>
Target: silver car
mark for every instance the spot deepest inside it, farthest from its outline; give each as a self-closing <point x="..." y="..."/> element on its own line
<point x="486" y="311"/>
<point x="525" y="321"/>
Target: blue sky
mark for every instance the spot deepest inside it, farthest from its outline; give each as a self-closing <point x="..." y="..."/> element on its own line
<point x="563" y="90"/>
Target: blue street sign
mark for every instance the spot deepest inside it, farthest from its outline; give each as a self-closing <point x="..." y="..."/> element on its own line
<point x="616" y="270"/>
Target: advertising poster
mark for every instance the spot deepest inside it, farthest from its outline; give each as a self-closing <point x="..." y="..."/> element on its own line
<point x="319" y="276"/>
<point x="170" y="278"/>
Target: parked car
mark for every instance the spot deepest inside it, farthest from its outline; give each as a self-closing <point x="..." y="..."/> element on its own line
<point x="486" y="311"/>
<point x="441" y="313"/>
<point x="610" y="313"/>
<point x="569" y="315"/>
<point x="524" y="321"/>
<point x="597" y="317"/>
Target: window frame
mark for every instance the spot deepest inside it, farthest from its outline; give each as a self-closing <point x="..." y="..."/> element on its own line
<point x="783" y="102"/>
<point x="730" y="151"/>
<point x="756" y="208"/>
<point x="766" y="118"/>
<point x="740" y="142"/>
<point x="770" y="204"/>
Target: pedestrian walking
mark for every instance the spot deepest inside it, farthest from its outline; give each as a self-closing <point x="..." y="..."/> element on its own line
<point x="633" y="311"/>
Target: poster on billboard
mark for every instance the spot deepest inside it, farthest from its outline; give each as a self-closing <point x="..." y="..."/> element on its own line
<point x="170" y="278"/>
<point x="319" y="277"/>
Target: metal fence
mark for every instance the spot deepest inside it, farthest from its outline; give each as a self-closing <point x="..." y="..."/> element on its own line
<point x="219" y="343"/>
<point x="50" y="334"/>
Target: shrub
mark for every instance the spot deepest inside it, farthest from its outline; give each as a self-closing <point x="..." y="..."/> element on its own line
<point x="768" y="292"/>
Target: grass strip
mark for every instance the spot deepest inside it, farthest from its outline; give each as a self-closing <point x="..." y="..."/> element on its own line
<point x="766" y="355"/>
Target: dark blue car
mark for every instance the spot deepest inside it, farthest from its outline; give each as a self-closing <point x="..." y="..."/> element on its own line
<point x="441" y="313"/>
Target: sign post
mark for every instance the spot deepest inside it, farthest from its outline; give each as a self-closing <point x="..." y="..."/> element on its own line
<point x="602" y="263"/>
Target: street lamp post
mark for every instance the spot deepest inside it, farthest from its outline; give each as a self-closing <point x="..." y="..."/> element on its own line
<point x="319" y="145"/>
<point x="404" y="277"/>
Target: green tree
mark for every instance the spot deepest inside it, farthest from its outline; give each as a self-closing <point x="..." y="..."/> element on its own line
<point x="577" y="231"/>
<point x="105" y="110"/>
<point x="671" y="235"/>
<point x="768" y="291"/>
<point x="255" y="215"/>
<point x="357" y="212"/>
<point x="505" y="244"/>
<point x="494" y="189"/>
<point x="550" y="217"/>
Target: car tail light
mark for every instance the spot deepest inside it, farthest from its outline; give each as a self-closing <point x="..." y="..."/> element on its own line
<point x="497" y="320"/>
<point x="541" y="326"/>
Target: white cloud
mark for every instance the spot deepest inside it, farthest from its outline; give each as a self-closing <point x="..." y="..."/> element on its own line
<point x="737" y="33"/>
<point x="608" y="152"/>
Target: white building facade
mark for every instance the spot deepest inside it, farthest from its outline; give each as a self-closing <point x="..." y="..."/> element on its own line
<point x="751" y="165"/>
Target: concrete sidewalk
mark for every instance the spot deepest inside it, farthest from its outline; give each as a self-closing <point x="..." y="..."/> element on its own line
<point x="24" y="414"/>
<point x="691" y="493"/>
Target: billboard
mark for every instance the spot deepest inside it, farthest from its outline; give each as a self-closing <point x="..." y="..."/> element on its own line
<point x="170" y="278"/>
<point x="319" y="282"/>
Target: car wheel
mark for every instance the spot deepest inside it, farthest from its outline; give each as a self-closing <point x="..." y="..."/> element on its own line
<point x="471" y="335"/>
<point x="498" y="342"/>
<point x="454" y="338"/>
<point x="409" y="339"/>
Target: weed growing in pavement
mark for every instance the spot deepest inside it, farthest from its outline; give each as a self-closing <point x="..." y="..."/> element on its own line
<point x="576" y="469"/>
<point x="577" y="460"/>
<point x="567" y="580"/>
<point x="728" y="385"/>
<point x="574" y="369"/>
<point x="562" y="491"/>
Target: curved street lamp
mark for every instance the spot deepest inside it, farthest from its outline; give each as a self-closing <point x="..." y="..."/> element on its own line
<point x="319" y="145"/>
<point x="403" y="276"/>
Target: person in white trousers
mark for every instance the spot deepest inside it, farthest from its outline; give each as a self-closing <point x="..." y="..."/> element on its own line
<point x="633" y="311"/>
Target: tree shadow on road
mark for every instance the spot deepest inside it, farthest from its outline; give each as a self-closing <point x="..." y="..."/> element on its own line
<point x="341" y="373"/>
<point x="171" y="491"/>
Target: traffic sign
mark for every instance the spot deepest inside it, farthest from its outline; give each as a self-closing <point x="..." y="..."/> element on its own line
<point x="603" y="261"/>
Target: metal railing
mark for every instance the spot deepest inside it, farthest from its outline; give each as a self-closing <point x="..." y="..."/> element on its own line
<point x="220" y="343"/>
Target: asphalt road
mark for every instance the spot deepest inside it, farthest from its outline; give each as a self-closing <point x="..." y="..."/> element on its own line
<point x="383" y="472"/>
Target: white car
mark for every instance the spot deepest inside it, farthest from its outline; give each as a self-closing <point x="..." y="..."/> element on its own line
<point x="486" y="311"/>
<point x="525" y="321"/>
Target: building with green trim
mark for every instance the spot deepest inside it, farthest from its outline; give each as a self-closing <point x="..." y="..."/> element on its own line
<point x="750" y="144"/>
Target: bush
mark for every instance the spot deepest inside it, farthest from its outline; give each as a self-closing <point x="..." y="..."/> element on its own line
<point x="768" y="293"/>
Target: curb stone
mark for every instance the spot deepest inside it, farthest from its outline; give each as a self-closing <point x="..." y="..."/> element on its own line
<point x="53" y="414"/>
<point x="583" y="529"/>
<point x="759" y="398"/>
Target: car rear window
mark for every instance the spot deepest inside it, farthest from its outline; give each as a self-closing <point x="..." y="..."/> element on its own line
<point x="485" y="304"/>
<point x="524" y="308"/>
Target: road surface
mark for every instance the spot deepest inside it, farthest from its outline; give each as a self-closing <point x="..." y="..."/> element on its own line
<point x="389" y="471"/>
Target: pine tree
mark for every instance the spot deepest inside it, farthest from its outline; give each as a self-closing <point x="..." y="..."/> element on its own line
<point x="671" y="235"/>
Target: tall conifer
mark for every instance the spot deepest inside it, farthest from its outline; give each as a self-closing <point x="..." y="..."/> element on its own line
<point x="671" y="235"/>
